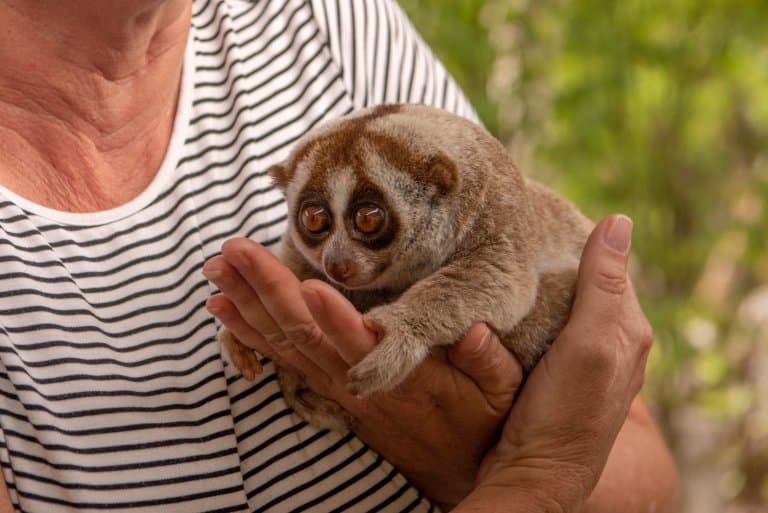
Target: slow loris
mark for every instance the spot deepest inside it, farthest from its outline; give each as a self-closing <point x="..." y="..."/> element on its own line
<point x="424" y="222"/>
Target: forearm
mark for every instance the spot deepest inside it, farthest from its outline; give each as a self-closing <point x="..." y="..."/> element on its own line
<point x="504" y="501"/>
<point x="639" y="471"/>
<point x="639" y="474"/>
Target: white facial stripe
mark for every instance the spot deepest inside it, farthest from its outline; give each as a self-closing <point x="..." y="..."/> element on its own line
<point x="340" y="185"/>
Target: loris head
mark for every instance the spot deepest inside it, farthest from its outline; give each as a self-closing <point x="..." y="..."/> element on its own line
<point x="370" y="200"/>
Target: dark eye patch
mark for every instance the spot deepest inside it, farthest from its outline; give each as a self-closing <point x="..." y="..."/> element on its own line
<point x="312" y="198"/>
<point x="367" y="194"/>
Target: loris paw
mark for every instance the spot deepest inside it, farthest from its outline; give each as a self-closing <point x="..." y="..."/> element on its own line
<point x="315" y="409"/>
<point x="399" y="352"/>
<point x="239" y="355"/>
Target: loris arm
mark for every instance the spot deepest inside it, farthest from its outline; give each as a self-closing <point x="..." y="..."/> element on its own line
<point x="488" y="285"/>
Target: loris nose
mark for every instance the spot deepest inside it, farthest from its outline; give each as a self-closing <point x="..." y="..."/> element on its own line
<point x="339" y="271"/>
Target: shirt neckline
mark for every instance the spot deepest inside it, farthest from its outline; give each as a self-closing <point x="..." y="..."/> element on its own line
<point x="155" y="187"/>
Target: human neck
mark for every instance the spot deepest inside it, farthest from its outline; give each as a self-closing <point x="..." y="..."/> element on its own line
<point x="88" y="92"/>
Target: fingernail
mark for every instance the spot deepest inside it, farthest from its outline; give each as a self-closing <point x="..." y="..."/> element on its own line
<point x="212" y="274"/>
<point x="485" y="340"/>
<point x="618" y="236"/>
<point x="481" y="346"/>
<point x="214" y="310"/>
<point x="219" y="278"/>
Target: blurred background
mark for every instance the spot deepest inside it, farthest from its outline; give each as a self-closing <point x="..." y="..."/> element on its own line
<point x="658" y="109"/>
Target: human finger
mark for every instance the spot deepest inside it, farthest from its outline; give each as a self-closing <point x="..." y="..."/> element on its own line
<point x="602" y="278"/>
<point x="605" y="302"/>
<point x="240" y="309"/>
<point x="480" y="355"/>
<point x="227" y="278"/>
<point x="597" y="363"/>
<point x="339" y="319"/>
<point x="223" y="309"/>
<point x="278" y="291"/>
<point x="285" y="356"/>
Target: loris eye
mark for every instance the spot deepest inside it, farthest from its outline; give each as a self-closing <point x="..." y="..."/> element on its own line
<point x="315" y="219"/>
<point x="369" y="219"/>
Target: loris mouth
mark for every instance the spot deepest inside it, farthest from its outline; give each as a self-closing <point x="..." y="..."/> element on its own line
<point x="346" y="274"/>
<point x="353" y="283"/>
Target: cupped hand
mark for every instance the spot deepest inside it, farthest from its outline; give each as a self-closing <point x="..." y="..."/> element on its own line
<point x="435" y="428"/>
<point x="562" y="426"/>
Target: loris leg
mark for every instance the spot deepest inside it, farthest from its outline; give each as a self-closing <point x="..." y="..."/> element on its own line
<point x="492" y="284"/>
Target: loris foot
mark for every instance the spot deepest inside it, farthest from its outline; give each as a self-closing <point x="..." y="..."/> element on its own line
<point x="239" y="355"/>
<point x="315" y="409"/>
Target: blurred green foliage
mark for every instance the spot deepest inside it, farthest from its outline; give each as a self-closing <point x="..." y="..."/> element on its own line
<point x="658" y="109"/>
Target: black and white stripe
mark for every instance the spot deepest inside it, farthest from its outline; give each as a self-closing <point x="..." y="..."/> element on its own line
<point x="113" y="395"/>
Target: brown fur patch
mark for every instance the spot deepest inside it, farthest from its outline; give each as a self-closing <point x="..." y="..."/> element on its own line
<point x="437" y="170"/>
<point x="281" y="175"/>
<point x="338" y="149"/>
<point x="335" y="147"/>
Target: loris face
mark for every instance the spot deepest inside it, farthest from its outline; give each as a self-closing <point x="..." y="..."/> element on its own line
<point x="346" y="229"/>
<point x="365" y="209"/>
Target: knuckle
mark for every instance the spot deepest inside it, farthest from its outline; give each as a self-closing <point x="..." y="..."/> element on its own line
<point x="304" y="334"/>
<point x="637" y="334"/>
<point x="645" y="335"/>
<point x="611" y="282"/>
<point x="600" y="356"/>
<point x="271" y="285"/>
<point x="277" y="338"/>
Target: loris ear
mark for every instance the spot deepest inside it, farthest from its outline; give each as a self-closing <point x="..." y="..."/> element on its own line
<point x="281" y="174"/>
<point x="442" y="173"/>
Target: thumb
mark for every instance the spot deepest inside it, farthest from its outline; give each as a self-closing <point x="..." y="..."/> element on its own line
<point x="603" y="271"/>
<point x="480" y="355"/>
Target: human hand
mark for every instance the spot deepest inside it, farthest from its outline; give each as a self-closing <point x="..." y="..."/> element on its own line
<point x="435" y="428"/>
<point x="563" y="424"/>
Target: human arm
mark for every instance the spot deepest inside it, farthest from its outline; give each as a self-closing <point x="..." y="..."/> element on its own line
<point x="639" y="470"/>
<point x="5" y="498"/>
